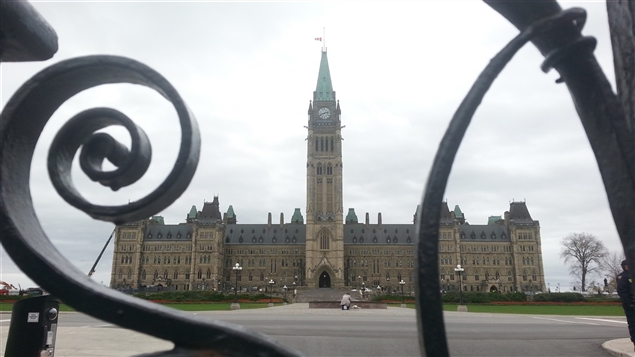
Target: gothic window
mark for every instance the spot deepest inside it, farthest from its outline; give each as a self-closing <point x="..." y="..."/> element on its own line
<point x="524" y="275"/>
<point x="251" y="277"/>
<point x="176" y="274"/>
<point x="208" y="274"/>
<point x="143" y="274"/>
<point x="324" y="239"/>
<point x="331" y="143"/>
<point x="533" y="275"/>
<point x="199" y="275"/>
<point x="321" y="143"/>
<point x="262" y="276"/>
<point x="120" y="274"/>
<point x="329" y="169"/>
<point x="319" y="169"/>
<point x="156" y="275"/>
<point x="316" y="144"/>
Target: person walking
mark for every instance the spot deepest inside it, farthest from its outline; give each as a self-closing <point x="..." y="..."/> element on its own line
<point x="346" y="301"/>
<point x="624" y="290"/>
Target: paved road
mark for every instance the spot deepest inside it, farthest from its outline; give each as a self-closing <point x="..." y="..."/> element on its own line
<point x="392" y="332"/>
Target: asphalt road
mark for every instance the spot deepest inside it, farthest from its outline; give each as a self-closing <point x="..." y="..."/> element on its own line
<point x="393" y="332"/>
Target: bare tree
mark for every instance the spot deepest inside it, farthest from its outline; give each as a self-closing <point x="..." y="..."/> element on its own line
<point x="585" y="254"/>
<point x="612" y="265"/>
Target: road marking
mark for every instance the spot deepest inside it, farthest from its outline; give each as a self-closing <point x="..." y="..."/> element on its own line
<point x="565" y="321"/>
<point x="593" y="319"/>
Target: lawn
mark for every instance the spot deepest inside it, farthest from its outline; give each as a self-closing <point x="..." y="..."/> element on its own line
<point x="183" y="307"/>
<point x="590" y="310"/>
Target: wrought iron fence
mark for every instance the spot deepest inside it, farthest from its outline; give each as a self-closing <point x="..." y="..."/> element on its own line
<point x="608" y="119"/>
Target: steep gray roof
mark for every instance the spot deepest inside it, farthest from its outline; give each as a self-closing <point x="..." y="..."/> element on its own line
<point x="519" y="213"/>
<point x="483" y="233"/>
<point x="373" y="234"/>
<point x="265" y="234"/>
<point x="170" y="232"/>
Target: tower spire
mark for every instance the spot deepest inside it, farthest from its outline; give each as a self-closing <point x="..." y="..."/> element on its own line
<point x="324" y="88"/>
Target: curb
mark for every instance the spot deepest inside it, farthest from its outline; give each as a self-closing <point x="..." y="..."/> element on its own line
<point x="619" y="347"/>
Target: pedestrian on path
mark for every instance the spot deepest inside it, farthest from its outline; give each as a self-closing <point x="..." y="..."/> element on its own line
<point x="346" y="301"/>
<point x="624" y="290"/>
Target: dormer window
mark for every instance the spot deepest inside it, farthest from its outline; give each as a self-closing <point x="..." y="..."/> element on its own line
<point x="149" y="235"/>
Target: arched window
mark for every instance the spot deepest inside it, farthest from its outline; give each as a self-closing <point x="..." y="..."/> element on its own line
<point x="262" y="276"/>
<point x="331" y="143"/>
<point x="533" y="276"/>
<point x="208" y="274"/>
<point x="329" y="169"/>
<point x="319" y="169"/>
<point x="509" y="276"/>
<point x="165" y="275"/>
<point x="156" y="275"/>
<point x="324" y="238"/>
<point x="129" y="275"/>
<point x="524" y="275"/>
<point x="120" y="274"/>
<point x="316" y="144"/>
<point x="199" y="274"/>
<point x="143" y="274"/>
<point x="176" y="274"/>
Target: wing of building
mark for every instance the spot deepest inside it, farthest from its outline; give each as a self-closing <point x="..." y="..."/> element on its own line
<point x="328" y="250"/>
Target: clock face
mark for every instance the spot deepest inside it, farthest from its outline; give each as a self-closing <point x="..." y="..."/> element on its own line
<point x="324" y="113"/>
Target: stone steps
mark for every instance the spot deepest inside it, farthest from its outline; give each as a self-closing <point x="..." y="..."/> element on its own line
<point x="322" y="294"/>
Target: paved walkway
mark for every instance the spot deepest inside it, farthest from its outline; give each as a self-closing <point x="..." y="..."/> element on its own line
<point x="109" y="341"/>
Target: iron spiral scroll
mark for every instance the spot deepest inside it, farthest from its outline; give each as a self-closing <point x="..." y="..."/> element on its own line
<point x="21" y="123"/>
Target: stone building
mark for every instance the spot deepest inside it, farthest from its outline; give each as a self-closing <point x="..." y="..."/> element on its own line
<point x="328" y="250"/>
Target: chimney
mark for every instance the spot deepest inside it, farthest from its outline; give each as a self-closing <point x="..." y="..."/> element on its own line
<point x="379" y="218"/>
<point x="269" y="219"/>
<point x="367" y="219"/>
<point x="281" y="219"/>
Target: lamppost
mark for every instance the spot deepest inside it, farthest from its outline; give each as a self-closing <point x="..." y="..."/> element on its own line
<point x="459" y="271"/>
<point x="235" y="305"/>
<point x="285" y="295"/>
<point x="271" y="282"/>
<point x="359" y="277"/>
<point x="403" y="300"/>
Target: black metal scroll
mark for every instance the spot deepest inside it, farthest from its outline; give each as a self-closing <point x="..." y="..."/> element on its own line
<point x="21" y="123"/>
<point x="556" y="33"/>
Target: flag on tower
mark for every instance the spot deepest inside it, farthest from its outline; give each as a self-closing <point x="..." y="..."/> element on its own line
<point x="318" y="39"/>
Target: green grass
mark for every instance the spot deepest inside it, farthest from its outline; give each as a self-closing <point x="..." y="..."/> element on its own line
<point x="183" y="307"/>
<point x="598" y="310"/>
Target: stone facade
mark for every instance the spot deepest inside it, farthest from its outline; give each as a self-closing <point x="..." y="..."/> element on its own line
<point x="328" y="250"/>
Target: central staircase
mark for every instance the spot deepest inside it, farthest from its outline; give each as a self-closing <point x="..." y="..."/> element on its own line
<point x="322" y="294"/>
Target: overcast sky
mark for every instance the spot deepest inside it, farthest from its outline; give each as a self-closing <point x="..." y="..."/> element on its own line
<point x="400" y="70"/>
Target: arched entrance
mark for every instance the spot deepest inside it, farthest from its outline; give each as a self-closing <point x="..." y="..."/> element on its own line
<point x="325" y="280"/>
<point x="493" y="289"/>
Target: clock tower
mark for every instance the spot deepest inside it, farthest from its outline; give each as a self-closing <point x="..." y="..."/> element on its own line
<point x="324" y="223"/>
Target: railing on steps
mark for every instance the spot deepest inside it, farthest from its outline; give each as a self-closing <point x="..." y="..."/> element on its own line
<point x="607" y="119"/>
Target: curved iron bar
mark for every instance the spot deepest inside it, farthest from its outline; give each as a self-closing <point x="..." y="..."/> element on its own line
<point x="557" y="34"/>
<point x="21" y="123"/>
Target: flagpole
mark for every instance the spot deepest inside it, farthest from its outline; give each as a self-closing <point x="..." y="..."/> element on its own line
<point x="324" y="39"/>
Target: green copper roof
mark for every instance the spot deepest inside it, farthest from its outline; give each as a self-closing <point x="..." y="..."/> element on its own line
<point x="493" y="219"/>
<point x="158" y="219"/>
<point x="324" y="88"/>
<point x="230" y="212"/>
<point x="457" y="212"/>
<point x="192" y="213"/>
<point x="297" y="216"/>
<point x="351" y="217"/>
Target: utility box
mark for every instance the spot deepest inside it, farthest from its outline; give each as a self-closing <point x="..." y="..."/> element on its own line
<point x="33" y="327"/>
